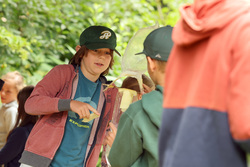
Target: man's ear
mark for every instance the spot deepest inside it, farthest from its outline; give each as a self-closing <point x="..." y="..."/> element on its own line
<point x="151" y="63"/>
<point x="78" y="47"/>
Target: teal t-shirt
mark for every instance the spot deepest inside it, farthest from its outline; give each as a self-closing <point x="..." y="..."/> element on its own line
<point x="75" y="140"/>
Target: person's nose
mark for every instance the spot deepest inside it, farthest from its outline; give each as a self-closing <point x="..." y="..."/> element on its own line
<point x="102" y="55"/>
<point x="2" y="93"/>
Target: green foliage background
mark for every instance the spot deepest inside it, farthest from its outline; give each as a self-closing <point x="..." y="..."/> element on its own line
<point x="36" y="35"/>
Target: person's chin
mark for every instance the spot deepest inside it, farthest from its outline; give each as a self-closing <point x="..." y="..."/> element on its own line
<point x="5" y="101"/>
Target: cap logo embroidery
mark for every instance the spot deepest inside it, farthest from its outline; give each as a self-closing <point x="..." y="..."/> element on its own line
<point x="158" y="56"/>
<point x="105" y="35"/>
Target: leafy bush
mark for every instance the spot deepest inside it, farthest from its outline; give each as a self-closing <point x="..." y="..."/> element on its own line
<point x="37" y="35"/>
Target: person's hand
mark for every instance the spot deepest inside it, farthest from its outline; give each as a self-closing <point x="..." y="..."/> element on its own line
<point x="146" y="88"/>
<point x="110" y="136"/>
<point x="82" y="109"/>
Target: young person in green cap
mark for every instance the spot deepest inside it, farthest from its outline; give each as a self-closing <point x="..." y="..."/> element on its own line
<point x="65" y="98"/>
<point x="136" y="141"/>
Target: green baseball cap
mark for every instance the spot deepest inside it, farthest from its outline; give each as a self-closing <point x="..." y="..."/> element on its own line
<point x="158" y="43"/>
<point x="96" y="37"/>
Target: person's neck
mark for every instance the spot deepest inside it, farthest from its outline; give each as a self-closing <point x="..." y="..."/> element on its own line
<point x="160" y="79"/>
<point x="92" y="78"/>
<point x="89" y="76"/>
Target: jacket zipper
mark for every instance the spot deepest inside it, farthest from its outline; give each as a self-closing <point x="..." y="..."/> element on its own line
<point x="97" y="130"/>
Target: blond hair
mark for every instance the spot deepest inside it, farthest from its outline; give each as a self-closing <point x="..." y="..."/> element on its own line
<point x="15" y="77"/>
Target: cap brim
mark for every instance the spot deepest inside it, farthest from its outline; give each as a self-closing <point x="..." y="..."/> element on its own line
<point x="99" y="46"/>
<point x="140" y="53"/>
<point x="117" y="52"/>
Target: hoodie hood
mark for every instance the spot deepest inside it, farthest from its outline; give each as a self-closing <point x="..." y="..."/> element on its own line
<point x="203" y="18"/>
<point x="152" y="105"/>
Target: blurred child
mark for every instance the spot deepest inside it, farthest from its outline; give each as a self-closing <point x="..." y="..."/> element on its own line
<point x="206" y="116"/>
<point x="12" y="151"/>
<point x="132" y="84"/>
<point x="65" y="98"/>
<point x="8" y="112"/>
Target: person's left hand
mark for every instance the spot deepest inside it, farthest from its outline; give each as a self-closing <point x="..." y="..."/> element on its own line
<point x="147" y="89"/>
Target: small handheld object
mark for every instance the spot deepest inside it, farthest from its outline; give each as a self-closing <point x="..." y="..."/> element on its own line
<point x="91" y="117"/>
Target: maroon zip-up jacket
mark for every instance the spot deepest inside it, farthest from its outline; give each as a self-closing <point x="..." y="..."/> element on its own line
<point x="53" y="105"/>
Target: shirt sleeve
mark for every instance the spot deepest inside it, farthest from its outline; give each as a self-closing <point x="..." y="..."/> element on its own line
<point x="127" y="146"/>
<point x="14" y="145"/>
<point x="45" y="97"/>
<point x="239" y="91"/>
<point x="10" y="118"/>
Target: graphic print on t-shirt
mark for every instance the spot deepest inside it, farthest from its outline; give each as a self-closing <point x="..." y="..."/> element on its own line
<point x="76" y="135"/>
<point x="82" y="99"/>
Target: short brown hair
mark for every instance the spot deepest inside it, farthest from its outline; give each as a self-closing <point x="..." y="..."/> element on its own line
<point x="162" y="65"/>
<point x="132" y="83"/>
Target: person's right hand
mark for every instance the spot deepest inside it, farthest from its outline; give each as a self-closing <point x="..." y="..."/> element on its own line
<point x="110" y="136"/>
<point x="82" y="109"/>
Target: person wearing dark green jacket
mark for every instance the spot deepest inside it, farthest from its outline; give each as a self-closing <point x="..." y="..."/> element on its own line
<point x="136" y="141"/>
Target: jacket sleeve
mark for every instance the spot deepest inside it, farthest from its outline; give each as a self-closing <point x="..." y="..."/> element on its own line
<point x="45" y="96"/>
<point x="14" y="146"/>
<point x="239" y="90"/>
<point x="127" y="146"/>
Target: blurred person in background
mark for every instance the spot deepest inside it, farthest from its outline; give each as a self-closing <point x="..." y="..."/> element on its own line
<point x="16" y="139"/>
<point x="130" y="83"/>
<point x="206" y="117"/>
<point x="13" y="83"/>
